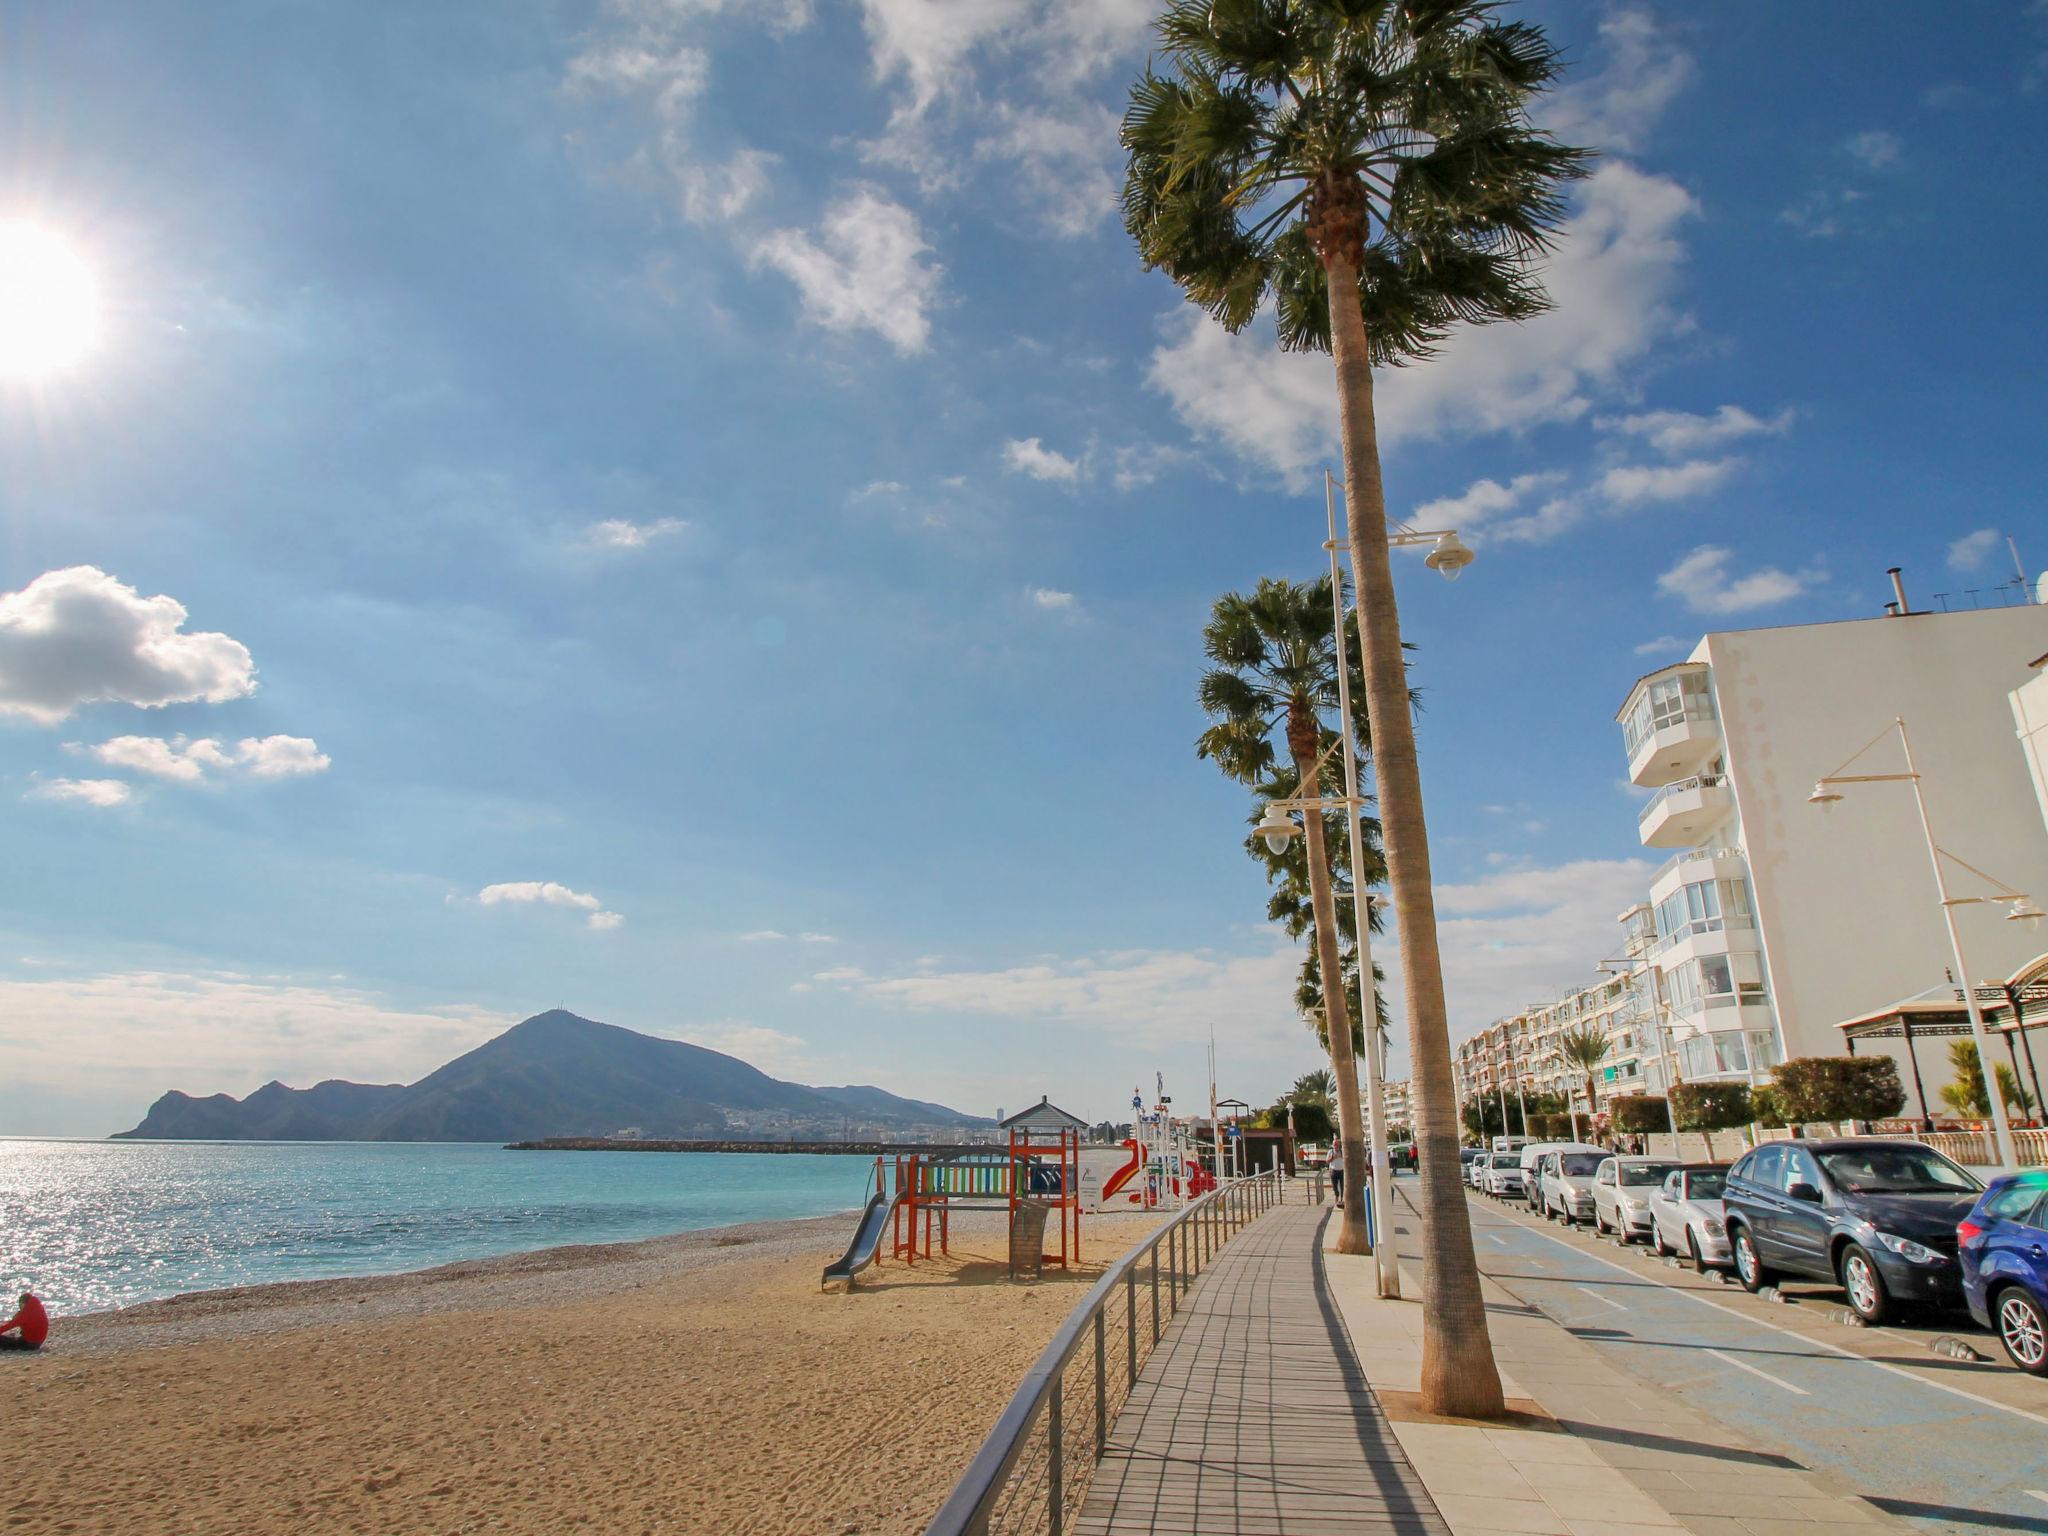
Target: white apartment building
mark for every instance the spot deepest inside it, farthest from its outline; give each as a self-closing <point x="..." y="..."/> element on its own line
<point x="1774" y="920"/>
<point x="1522" y="1048"/>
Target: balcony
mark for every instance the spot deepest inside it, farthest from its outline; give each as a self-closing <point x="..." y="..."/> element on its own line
<point x="1669" y="726"/>
<point x="1691" y="864"/>
<point x="1685" y="811"/>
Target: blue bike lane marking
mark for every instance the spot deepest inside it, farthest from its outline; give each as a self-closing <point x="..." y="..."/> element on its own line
<point x="1876" y="1427"/>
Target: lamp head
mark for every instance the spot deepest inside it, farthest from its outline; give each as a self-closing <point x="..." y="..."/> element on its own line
<point x="2024" y="911"/>
<point x="1276" y="827"/>
<point x="1823" y="796"/>
<point x="1450" y="556"/>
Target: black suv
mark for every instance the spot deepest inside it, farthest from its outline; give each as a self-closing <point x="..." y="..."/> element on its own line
<point x="1877" y="1217"/>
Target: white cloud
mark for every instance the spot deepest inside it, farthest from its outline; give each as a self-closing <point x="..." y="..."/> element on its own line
<point x="117" y="1040"/>
<point x="762" y="936"/>
<point x="1616" y="108"/>
<point x="1677" y="432"/>
<point x="718" y="194"/>
<point x="1028" y="456"/>
<point x="1875" y="149"/>
<point x="622" y="533"/>
<point x="77" y="636"/>
<point x="1052" y="601"/>
<point x="864" y="270"/>
<point x="1971" y="551"/>
<point x="1703" y="581"/>
<point x="1664" y="645"/>
<point x="819" y="938"/>
<point x="670" y="76"/>
<point x="548" y="893"/>
<point x="1067" y="163"/>
<point x="1632" y="484"/>
<point x="1141" y="463"/>
<point x="1480" y="510"/>
<point x="184" y="761"/>
<point x="1611" y="279"/>
<point x="926" y="43"/>
<point x="876" y="490"/>
<point x="100" y="793"/>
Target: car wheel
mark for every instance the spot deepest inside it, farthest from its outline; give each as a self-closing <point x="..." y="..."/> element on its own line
<point x="1599" y="1223"/>
<point x="2022" y="1329"/>
<point x="1864" y="1284"/>
<point x="1692" y="1243"/>
<point x="1749" y="1269"/>
<point x="1657" y="1239"/>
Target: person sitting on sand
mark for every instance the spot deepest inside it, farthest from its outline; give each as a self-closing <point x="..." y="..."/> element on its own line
<point x="28" y="1327"/>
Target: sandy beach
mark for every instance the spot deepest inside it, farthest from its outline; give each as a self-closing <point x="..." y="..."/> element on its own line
<point x="692" y="1383"/>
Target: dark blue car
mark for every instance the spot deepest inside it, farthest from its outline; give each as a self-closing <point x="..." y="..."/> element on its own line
<point x="1876" y="1217"/>
<point x="2005" y="1266"/>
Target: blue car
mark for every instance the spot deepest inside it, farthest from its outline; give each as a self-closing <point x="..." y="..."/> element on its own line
<point x="2005" y="1266"/>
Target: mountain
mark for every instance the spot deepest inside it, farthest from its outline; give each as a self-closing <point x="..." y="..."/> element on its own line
<point x="553" y="1075"/>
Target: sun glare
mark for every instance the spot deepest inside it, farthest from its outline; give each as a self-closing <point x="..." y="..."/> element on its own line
<point x="49" y="311"/>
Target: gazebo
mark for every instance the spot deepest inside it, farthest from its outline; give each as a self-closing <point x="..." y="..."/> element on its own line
<point x="2014" y="1008"/>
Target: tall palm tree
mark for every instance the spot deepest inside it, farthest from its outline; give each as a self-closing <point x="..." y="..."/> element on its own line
<point x="1380" y="150"/>
<point x="1275" y="670"/>
<point x="1314" y="1084"/>
<point x="1584" y="1047"/>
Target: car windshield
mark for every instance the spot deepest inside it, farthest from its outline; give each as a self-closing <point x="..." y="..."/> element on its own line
<point x="1580" y="1164"/>
<point x="1705" y="1186"/>
<point x="1896" y="1170"/>
<point x="1644" y="1173"/>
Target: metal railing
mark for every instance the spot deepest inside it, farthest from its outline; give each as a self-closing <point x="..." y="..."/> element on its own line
<point x="1032" y="1471"/>
<point x="1678" y="787"/>
<point x="1684" y="854"/>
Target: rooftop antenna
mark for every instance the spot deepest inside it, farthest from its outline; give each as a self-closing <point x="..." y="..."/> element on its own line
<point x="2017" y="566"/>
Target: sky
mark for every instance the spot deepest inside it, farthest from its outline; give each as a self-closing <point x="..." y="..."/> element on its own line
<point x="693" y="511"/>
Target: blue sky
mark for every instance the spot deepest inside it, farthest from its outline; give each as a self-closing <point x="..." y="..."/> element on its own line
<point x="690" y="510"/>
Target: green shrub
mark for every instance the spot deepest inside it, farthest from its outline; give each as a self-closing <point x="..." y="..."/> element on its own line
<point x="1639" y="1114"/>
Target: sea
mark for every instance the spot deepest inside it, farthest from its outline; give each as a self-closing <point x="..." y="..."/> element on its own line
<point x="89" y="1225"/>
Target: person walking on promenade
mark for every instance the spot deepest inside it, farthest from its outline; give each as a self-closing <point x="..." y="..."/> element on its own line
<point x="1337" y="1170"/>
<point x="28" y="1327"/>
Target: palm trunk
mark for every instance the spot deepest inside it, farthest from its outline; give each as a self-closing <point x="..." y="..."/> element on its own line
<point x="1459" y="1376"/>
<point x="1301" y="742"/>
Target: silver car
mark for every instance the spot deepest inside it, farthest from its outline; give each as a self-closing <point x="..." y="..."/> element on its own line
<point x="1686" y="1216"/>
<point x="1475" y="1171"/>
<point x="1621" y="1195"/>
<point x="1567" y="1190"/>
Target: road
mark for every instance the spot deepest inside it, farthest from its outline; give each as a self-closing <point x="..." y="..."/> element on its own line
<point x="1950" y="1445"/>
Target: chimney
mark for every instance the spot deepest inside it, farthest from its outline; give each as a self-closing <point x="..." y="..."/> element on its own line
<point x="1902" y="608"/>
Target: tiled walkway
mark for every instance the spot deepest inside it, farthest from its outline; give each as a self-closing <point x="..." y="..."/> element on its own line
<point x="1252" y="1416"/>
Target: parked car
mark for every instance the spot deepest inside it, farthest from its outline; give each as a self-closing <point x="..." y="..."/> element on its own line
<point x="1567" y="1182"/>
<point x="1877" y="1217"/>
<point x="1621" y="1194"/>
<point x="1530" y="1189"/>
<point x="2005" y="1266"/>
<point x="1686" y="1216"/>
<point x="1475" y="1170"/>
<point x="1467" y="1156"/>
<point x="1504" y="1175"/>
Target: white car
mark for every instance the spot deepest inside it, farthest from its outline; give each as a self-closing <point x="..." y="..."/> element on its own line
<point x="1503" y="1176"/>
<point x="1621" y="1195"/>
<point x="1525" y="1186"/>
<point x="1686" y="1216"/>
<point x="1566" y="1192"/>
<point x="1475" y="1171"/>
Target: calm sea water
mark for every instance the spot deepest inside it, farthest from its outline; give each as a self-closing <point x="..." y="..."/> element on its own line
<point x="93" y="1224"/>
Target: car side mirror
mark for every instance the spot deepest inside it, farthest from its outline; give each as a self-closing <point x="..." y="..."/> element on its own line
<point x="1802" y="1191"/>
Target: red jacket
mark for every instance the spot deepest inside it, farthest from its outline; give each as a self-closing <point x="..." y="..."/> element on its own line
<point x="32" y="1320"/>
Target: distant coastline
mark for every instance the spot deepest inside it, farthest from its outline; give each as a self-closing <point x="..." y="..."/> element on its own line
<point x="640" y="1144"/>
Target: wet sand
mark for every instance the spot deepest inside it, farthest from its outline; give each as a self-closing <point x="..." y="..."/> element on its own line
<point x="693" y="1383"/>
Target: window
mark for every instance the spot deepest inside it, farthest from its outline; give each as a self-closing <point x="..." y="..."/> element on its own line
<point x="1899" y="1168"/>
<point x="2015" y="1203"/>
<point x="1800" y="1168"/>
<point x="1764" y="1166"/>
<point x="1645" y="1173"/>
<point x="1578" y="1165"/>
<point x="1667" y="701"/>
<point x="1706" y="1185"/>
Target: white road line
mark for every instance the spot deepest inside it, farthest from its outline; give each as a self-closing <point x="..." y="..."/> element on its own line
<point x="1587" y="1290"/>
<point x="1744" y="1365"/>
<point x="2035" y="1493"/>
<point x="1790" y="1333"/>
<point x="1494" y="1237"/>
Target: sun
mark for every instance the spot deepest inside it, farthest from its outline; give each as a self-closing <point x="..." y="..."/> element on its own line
<point x="49" y="305"/>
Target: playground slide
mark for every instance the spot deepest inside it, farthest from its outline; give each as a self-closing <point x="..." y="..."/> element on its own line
<point x="867" y="1240"/>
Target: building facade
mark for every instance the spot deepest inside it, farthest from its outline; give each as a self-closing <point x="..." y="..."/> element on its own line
<point x="1773" y="919"/>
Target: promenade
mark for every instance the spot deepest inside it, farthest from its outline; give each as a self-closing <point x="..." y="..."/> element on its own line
<point x="1252" y="1416"/>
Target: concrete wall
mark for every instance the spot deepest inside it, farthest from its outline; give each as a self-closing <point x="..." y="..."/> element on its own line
<point x="1845" y="900"/>
<point x="2030" y="720"/>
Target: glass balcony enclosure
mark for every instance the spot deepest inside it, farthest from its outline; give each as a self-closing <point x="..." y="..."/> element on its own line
<point x="1668" y="725"/>
<point x="1704" y="906"/>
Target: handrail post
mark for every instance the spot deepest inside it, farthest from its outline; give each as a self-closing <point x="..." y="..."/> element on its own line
<point x="1053" y="1468"/>
<point x="1155" y="1293"/>
<point x="1173" y="1258"/>
<point x="1101" y="1385"/>
<point x="1131" y="1326"/>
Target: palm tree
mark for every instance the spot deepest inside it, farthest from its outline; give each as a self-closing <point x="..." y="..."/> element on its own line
<point x="1275" y="667"/>
<point x="1381" y="151"/>
<point x="1584" y="1046"/>
<point x="1316" y="1084"/>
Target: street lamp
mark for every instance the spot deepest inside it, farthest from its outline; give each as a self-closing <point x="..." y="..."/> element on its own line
<point x="1826" y="794"/>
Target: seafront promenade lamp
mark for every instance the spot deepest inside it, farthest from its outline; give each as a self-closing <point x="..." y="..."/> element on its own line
<point x="1276" y="827"/>
<point x="2020" y="909"/>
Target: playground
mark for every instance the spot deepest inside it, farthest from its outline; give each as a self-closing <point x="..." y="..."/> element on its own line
<point x="1043" y="1180"/>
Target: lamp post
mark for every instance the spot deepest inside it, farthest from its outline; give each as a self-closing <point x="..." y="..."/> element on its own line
<point x="2022" y="910"/>
<point x="1448" y="555"/>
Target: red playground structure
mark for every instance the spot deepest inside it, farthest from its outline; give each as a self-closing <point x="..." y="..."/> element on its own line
<point x="1036" y="1177"/>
